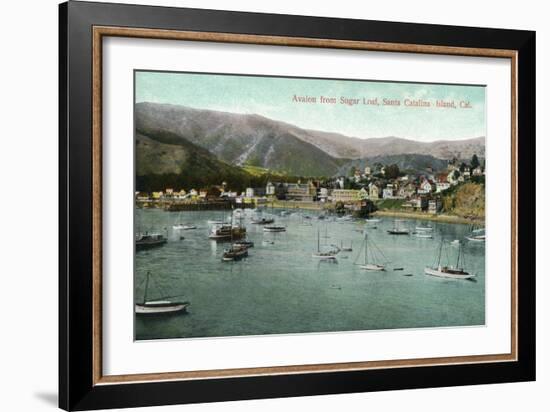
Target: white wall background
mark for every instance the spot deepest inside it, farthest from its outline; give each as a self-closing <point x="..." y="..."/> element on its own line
<point x="28" y="179"/>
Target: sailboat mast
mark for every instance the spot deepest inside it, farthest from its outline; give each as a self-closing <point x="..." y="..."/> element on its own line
<point x="458" y="255"/>
<point x="318" y="241"/>
<point x="439" y="255"/>
<point x="366" y="242"/>
<point x="146" y="288"/>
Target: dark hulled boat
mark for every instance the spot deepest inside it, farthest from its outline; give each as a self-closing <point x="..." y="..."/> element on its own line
<point x="235" y="252"/>
<point x="149" y="241"/>
<point x="227" y="232"/>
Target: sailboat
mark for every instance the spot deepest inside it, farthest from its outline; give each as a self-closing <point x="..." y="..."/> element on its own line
<point x="372" y="220"/>
<point x="274" y="228"/>
<point x="398" y="229"/>
<point x="328" y="255"/>
<point x="304" y="222"/>
<point x="424" y="228"/>
<point x="158" y="307"/>
<point x="477" y="234"/>
<point x="449" y="271"/>
<point x="476" y="238"/>
<point x="262" y="221"/>
<point x="424" y="235"/>
<point x="346" y="249"/>
<point x="218" y="222"/>
<point x="183" y="226"/>
<point x="371" y="264"/>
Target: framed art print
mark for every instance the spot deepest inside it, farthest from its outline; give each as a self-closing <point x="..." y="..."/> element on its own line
<point x="259" y="205"/>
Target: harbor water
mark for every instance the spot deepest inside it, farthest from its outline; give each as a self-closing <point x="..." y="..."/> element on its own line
<point x="281" y="289"/>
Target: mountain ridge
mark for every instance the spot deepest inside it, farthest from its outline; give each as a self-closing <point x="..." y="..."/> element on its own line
<point x="253" y="139"/>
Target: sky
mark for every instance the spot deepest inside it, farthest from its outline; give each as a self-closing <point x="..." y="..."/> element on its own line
<point x="278" y="98"/>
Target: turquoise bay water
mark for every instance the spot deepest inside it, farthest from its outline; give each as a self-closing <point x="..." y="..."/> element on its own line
<point x="281" y="289"/>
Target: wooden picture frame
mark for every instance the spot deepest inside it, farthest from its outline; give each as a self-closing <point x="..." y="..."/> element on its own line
<point x="82" y="384"/>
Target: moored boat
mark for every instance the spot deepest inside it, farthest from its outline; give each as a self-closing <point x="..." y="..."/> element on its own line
<point x="448" y="271"/>
<point x="274" y="229"/>
<point x="227" y="232"/>
<point x="424" y="228"/>
<point x="398" y="229"/>
<point x="162" y="306"/>
<point x="262" y="221"/>
<point x="476" y="238"/>
<point x="235" y="252"/>
<point x="184" y="227"/>
<point x="372" y="258"/>
<point x="150" y="241"/>
<point x="324" y="255"/>
<point x="346" y="249"/>
<point x="244" y="243"/>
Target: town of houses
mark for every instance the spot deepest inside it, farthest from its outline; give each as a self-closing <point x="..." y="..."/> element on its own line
<point x="417" y="192"/>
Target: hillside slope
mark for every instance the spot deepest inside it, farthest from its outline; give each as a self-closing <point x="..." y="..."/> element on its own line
<point x="238" y="139"/>
<point x="241" y="139"/>
<point x="169" y="161"/>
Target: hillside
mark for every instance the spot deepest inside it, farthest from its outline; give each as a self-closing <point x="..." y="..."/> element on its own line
<point x="251" y="139"/>
<point x="414" y="162"/>
<point x="169" y="161"/>
<point x="238" y="139"/>
<point x="466" y="200"/>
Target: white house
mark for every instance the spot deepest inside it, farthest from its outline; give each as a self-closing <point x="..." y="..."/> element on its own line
<point x="477" y="171"/>
<point x="452" y="177"/>
<point x="441" y="186"/>
<point x="270" y="189"/>
<point x="425" y="187"/>
<point x="374" y="191"/>
<point x="323" y="194"/>
<point x="249" y="192"/>
<point x="406" y="191"/>
<point x="387" y="192"/>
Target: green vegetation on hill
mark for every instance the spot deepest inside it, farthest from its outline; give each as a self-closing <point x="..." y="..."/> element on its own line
<point x="466" y="200"/>
<point x="165" y="160"/>
<point x="390" y="204"/>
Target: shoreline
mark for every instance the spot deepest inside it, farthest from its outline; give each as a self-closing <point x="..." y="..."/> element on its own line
<point x="289" y="204"/>
<point x="433" y="218"/>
